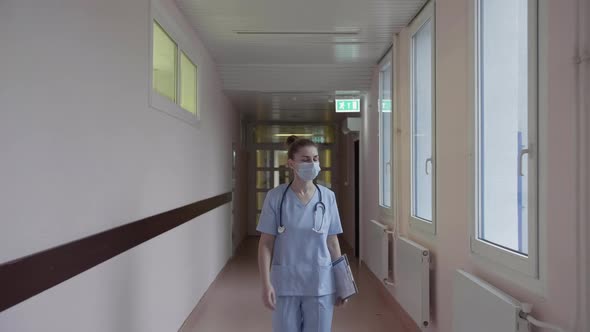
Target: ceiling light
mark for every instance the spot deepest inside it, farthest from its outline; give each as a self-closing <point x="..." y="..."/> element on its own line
<point x="343" y="31"/>
<point x="298" y="135"/>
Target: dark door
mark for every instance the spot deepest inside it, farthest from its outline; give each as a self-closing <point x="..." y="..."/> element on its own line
<point x="356" y="200"/>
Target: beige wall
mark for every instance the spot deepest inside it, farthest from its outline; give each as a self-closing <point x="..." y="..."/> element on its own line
<point x="556" y="302"/>
<point x="82" y="152"/>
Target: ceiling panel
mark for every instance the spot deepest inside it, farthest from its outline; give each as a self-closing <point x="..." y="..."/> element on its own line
<point x="307" y="59"/>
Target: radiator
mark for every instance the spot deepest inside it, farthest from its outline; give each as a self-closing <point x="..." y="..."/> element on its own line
<point x="412" y="275"/>
<point x="377" y="250"/>
<point x="479" y="306"/>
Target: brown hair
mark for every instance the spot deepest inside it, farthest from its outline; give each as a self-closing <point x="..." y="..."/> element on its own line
<point x="295" y="143"/>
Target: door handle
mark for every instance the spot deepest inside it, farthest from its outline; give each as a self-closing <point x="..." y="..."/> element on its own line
<point x="429" y="160"/>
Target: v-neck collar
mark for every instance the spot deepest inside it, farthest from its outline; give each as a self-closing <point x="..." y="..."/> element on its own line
<point x="299" y="202"/>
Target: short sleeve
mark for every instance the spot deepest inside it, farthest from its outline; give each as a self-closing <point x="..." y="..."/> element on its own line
<point x="268" y="217"/>
<point x="335" y="224"/>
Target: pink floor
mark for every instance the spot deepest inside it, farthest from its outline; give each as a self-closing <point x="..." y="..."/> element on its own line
<point x="233" y="302"/>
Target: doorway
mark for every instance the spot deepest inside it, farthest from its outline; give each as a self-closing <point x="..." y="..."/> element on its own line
<point x="356" y="200"/>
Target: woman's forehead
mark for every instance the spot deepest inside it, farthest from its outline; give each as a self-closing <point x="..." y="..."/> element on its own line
<point x="307" y="151"/>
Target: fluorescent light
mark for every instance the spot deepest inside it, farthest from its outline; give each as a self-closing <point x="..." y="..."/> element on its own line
<point x="347" y="93"/>
<point x="298" y="135"/>
<point x="347" y="31"/>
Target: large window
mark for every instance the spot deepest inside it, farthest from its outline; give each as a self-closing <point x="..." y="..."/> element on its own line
<point x="174" y="77"/>
<point x="506" y="133"/>
<point x="423" y="136"/>
<point x="385" y="137"/>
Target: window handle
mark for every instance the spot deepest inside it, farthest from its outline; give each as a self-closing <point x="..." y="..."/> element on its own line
<point x="429" y="160"/>
<point x="520" y="156"/>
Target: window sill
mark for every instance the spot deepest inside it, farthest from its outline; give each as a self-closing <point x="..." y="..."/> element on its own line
<point x="166" y="106"/>
<point x="534" y="285"/>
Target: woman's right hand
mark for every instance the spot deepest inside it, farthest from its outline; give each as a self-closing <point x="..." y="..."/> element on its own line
<point x="269" y="297"/>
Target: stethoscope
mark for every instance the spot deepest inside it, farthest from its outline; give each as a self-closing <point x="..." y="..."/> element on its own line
<point x="281" y="228"/>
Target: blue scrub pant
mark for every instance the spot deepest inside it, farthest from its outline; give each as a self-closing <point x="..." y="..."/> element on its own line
<point x="303" y="314"/>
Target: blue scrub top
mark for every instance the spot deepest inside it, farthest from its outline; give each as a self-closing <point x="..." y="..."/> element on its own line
<point x="301" y="263"/>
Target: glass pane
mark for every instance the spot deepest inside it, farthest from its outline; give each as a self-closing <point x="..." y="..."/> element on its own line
<point x="188" y="84"/>
<point x="164" y="63"/>
<point x="503" y="123"/>
<point x="422" y="163"/>
<point x="385" y="135"/>
<point x="282" y="176"/>
<point x="263" y="158"/>
<point x="325" y="158"/>
<point x="260" y="200"/>
<point x="257" y="218"/>
<point x="325" y="179"/>
<point x="264" y="180"/>
<point x="281" y="158"/>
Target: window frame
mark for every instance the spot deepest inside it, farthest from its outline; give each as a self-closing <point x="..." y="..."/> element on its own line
<point x="156" y="100"/>
<point x="386" y="210"/>
<point x="523" y="270"/>
<point x="426" y="14"/>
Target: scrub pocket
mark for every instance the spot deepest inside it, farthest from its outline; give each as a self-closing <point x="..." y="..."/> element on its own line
<point x="302" y="280"/>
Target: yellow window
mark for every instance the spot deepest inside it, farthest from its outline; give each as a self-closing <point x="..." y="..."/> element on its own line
<point x="188" y="84"/>
<point x="164" y="63"/>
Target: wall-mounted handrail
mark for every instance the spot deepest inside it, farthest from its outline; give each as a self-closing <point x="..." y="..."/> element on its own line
<point x="23" y="278"/>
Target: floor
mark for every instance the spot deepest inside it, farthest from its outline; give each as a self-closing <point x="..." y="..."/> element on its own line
<point x="233" y="302"/>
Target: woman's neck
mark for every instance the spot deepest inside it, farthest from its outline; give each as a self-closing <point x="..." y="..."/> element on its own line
<point x="303" y="187"/>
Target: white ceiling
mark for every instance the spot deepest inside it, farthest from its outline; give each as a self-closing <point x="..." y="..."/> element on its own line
<point x="349" y="37"/>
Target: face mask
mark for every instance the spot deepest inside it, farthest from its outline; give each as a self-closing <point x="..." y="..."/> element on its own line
<point x="308" y="171"/>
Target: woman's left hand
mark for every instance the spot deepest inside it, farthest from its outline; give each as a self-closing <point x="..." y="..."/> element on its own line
<point x="340" y="302"/>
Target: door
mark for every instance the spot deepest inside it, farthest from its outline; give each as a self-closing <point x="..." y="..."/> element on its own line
<point x="357" y="212"/>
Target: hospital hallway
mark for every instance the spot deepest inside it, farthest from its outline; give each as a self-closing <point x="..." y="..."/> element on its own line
<point x="233" y="302"/>
<point x="147" y="146"/>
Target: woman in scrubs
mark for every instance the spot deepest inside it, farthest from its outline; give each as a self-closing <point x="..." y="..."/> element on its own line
<point x="299" y="225"/>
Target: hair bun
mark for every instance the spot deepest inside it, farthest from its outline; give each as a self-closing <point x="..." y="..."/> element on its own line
<point x="291" y="139"/>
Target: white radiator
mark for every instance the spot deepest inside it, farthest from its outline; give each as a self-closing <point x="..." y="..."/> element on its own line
<point x="479" y="306"/>
<point x="377" y="250"/>
<point x="412" y="275"/>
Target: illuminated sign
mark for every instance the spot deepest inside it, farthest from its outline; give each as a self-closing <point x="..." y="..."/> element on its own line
<point x="348" y="105"/>
<point x="386" y="105"/>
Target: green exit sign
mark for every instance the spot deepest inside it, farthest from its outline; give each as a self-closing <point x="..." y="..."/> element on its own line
<point x="348" y="105"/>
<point x="386" y="105"/>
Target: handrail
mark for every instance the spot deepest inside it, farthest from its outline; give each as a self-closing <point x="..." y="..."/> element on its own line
<point x="25" y="277"/>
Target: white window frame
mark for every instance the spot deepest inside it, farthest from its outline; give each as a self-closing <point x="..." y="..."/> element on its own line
<point x="156" y="100"/>
<point x="526" y="271"/>
<point x="426" y="14"/>
<point x="386" y="210"/>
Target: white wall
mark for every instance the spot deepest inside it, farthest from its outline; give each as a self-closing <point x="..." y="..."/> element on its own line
<point x="556" y="299"/>
<point x="82" y="152"/>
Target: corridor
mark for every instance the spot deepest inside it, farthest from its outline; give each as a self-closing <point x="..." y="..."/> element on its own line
<point x="233" y="302"/>
<point x="444" y="143"/>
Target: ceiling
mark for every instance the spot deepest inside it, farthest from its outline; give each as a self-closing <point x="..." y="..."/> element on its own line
<point x="283" y="60"/>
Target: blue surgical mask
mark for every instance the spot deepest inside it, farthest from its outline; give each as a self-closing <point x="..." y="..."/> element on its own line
<point x="308" y="171"/>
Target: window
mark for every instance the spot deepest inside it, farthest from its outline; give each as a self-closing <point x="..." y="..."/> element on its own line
<point x="164" y="63"/>
<point x="423" y="138"/>
<point x="188" y="84"/>
<point x="385" y="138"/>
<point x="174" y="77"/>
<point x="506" y="133"/>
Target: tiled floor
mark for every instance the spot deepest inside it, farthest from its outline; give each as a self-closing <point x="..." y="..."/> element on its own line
<point x="233" y="302"/>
